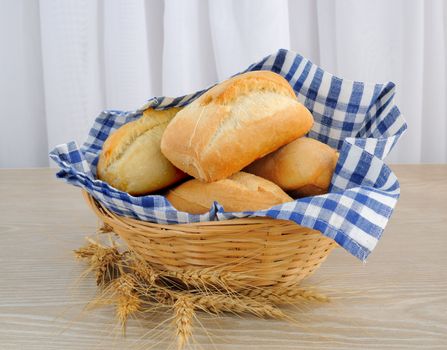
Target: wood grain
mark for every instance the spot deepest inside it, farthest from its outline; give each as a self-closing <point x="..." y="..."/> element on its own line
<point x="397" y="300"/>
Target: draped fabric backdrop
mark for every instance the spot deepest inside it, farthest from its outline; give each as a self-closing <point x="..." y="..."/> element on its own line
<point x="62" y="62"/>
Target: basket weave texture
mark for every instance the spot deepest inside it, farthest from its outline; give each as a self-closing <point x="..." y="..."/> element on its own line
<point x="269" y="253"/>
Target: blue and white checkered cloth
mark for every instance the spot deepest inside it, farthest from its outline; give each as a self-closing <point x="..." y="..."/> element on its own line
<point x="359" y="119"/>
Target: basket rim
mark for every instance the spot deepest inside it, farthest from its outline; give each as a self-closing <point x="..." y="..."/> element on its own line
<point x="101" y="210"/>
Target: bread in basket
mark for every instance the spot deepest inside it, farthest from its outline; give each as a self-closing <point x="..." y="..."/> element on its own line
<point x="281" y="245"/>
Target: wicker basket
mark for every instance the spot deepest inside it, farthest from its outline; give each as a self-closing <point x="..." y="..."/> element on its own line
<point x="267" y="252"/>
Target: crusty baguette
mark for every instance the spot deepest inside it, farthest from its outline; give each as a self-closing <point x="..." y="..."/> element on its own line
<point x="240" y="192"/>
<point x="131" y="159"/>
<point x="303" y="168"/>
<point x="233" y="124"/>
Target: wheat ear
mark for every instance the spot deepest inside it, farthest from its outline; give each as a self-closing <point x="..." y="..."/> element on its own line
<point x="105" y="261"/>
<point x="127" y="300"/>
<point x="184" y="314"/>
<point x="289" y="295"/>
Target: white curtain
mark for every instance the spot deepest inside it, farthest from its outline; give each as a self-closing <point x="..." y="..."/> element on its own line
<point x="63" y="61"/>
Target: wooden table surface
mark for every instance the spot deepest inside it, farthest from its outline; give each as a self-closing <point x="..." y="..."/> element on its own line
<point x="397" y="300"/>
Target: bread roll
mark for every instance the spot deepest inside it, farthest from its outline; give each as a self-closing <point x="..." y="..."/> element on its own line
<point x="131" y="160"/>
<point x="303" y="168"/>
<point x="240" y="192"/>
<point x="233" y="124"/>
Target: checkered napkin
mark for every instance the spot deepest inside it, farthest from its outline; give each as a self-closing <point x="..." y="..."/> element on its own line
<point x="359" y="119"/>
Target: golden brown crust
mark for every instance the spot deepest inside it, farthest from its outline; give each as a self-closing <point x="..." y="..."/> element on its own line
<point x="304" y="167"/>
<point x="252" y="145"/>
<point x="233" y="124"/>
<point x="240" y="192"/>
<point x="117" y="143"/>
<point x="131" y="159"/>
<point x="242" y="84"/>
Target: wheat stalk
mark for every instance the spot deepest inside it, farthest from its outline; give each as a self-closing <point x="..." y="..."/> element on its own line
<point x="127" y="300"/>
<point x="184" y="314"/>
<point x="206" y="279"/>
<point x="144" y="273"/>
<point x="126" y="305"/>
<point x="217" y="303"/>
<point x="289" y="295"/>
<point x="105" y="261"/>
<point x="133" y="284"/>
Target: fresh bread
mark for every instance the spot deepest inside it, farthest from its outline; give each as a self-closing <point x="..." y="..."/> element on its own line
<point x="240" y="192"/>
<point x="131" y="160"/>
<point x="233" y="124"/>
<point x="303" y="168"/>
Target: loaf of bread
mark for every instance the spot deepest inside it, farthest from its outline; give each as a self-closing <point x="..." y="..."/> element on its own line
<point x="240" y="192"/>
<point x="131" y="160"/>
<point x="303" y="168"/>
<point x="233" y="124"/>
